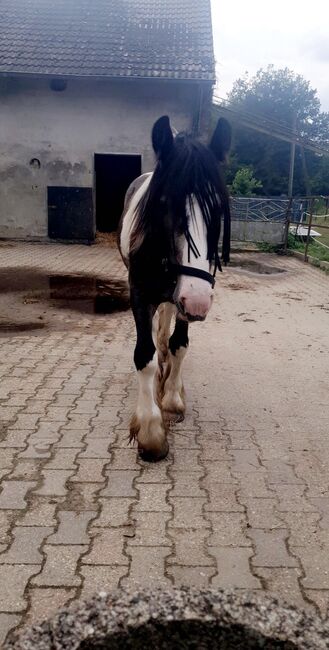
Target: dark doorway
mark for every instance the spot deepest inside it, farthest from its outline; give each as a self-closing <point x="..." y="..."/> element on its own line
<point x="70" y="213"/>
<point x="114" y="173"/>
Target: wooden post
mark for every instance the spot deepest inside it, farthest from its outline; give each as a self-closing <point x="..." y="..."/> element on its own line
<point x="309" y="230"/>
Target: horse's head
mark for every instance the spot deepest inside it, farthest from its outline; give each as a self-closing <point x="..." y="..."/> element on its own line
<point x="193" y="196"/>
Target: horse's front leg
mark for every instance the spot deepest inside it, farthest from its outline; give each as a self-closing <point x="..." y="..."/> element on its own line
<point x="173" y="400"/>
<point x="147" y="425"/>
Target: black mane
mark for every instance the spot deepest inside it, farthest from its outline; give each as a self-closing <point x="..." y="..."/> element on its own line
<point x="190" y="169"/>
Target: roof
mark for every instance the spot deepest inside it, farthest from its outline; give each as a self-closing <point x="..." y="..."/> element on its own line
<point x="169" y="39"/>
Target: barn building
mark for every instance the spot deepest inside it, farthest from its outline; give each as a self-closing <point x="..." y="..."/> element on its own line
<point x="81" y="84"/>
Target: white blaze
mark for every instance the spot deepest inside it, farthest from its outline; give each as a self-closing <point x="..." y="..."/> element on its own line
<point x="194" y="294"/>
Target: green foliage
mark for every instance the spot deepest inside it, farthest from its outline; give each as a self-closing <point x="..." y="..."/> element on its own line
<point x="294" y="242"/>
<point x="283" y="96"/>
<point x="244" y="183"/>
<point x="268" y="248"/>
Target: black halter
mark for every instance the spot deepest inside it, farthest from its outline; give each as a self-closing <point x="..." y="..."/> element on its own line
<point x="195" y="273"/>
<point x="180" y="269"/>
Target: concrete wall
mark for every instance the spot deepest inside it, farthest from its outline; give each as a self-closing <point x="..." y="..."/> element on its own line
<point x="64" y="129"/>
<point x="270" y="232"/>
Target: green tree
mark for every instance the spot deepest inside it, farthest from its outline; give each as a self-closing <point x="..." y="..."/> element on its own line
<point x="244" y="183"/>
<point x="288" y="99"/>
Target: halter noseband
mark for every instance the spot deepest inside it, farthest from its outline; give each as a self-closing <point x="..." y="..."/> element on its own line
<point x="192" y="271"/>
<point x="195" y="273"/>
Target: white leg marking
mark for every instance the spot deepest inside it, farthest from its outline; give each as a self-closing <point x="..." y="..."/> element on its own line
<point x="173" y="397"/>
<point x="166" y="312"/>
<point x="147" y="425"/>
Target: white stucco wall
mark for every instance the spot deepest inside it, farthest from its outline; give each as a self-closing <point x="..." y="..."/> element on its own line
<point x="64" y="130"/>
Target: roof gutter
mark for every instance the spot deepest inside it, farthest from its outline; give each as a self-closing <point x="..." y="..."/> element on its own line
<point x="49" y="75"/>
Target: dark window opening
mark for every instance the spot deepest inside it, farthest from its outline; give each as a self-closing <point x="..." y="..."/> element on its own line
<point x="114" y="173"/>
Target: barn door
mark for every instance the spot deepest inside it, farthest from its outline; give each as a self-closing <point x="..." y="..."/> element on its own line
<point x="114" y="173"/>
<point x="70" y="213"/>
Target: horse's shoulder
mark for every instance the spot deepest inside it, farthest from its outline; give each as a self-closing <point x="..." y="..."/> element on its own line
<point x="134" y="187"/>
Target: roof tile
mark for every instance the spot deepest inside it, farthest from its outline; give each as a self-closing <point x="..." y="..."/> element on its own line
<point x="136" y="38"/>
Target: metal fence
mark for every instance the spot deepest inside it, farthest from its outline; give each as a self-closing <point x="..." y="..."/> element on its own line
<point x="267" y="209"/>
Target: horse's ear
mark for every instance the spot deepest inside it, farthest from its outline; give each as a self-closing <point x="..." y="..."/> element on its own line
<point x="221" y="140"/>
<point x="162" y="137"/>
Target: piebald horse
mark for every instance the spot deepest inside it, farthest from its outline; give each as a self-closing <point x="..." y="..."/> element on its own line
<point x="169" y="238"/>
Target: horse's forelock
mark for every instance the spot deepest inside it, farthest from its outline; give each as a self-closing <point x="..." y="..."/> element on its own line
<point x="190" y="170"/>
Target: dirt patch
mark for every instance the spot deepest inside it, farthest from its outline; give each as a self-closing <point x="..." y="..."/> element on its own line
<point x="258" y="268"/>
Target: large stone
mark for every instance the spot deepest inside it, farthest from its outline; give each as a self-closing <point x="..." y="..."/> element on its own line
<point x="176" y="618"/>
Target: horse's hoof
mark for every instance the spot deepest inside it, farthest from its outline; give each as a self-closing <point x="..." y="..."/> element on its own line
<point x="153" y="455"/>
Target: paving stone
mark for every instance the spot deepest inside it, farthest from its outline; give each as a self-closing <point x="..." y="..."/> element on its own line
<point x="107" y="547"/>
<point x="63" y="459"/>
<point x="218" y="472"/>
<point x="91" y="470"/>
<point x="147" y="567"/>
<point x="124" y="459"/>
<point x="215" y="451"/>
<point x="191" y="576"/>
<point x="60" y="568"/>
<point x="40" y="513"/>
<point x="189" y="548"/>
<point x="97" y="448"/>
<point x="315" y="563"/>
<point x="254" y="486"/>
<point x="120" y="484"/>
<point x="6" y="518"/>
<point x="282" y="583"/>
<point x="223" y="499"/>
<point x="26" y="422"/>
<point x="184" y="440"/>
<point x="82" y="496"/>
<point x="187" y="460"/>
<point x="186" y="485"/>
<point x="7" y="623"/>
<point x="281" y="473"/>
<point x="153" y="497"/>
<point x="15" y="439"/>
<point x="103" y="430"/>
<point x="233" y="569"/>
<point x="26" y="470"/>
<point x="188" y="513"/>
<point x="261" y="513"/>
<point x="320" y="598"/>
<point x="155" y="473"/>
<point x="101" y="578"/>
<point x="271" y="549"/>
<point x="114" y="512"/>
<point x="7" y="457"/>
<point x="245" y="461"/>
<point x="54" y="482"/>
<point x="25" y="547"/>
<point x="149" y="530"/>
<point x="228" y="529"/>
<point x="70" y="439"/>
<point x="13" y="581"/>
<point x="72" y="528"/>
<point x="39" y="449"/>
<point x="45" y="602"/>
<point x="13" y="495"/>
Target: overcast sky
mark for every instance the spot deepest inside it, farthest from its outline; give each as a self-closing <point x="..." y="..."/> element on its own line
<point x="250" y="34"/>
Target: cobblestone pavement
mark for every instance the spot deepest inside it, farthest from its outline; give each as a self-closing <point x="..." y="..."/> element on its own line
<point x="242" y="500"/>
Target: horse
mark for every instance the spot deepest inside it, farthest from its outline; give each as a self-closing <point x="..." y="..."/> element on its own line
<point x="168" y="238"/>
